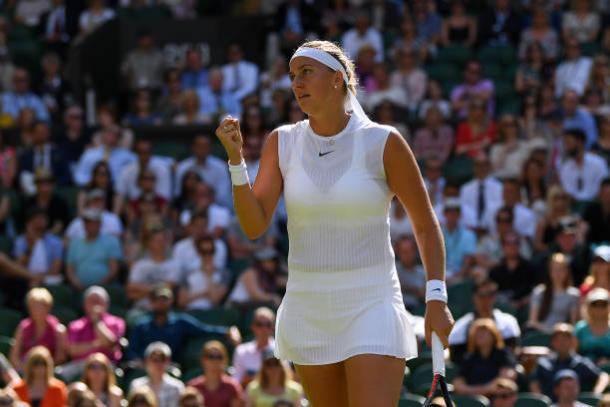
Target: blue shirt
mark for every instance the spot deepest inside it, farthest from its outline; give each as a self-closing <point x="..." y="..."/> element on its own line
<point x="582" y="120"/>
<point x="458" y="244"/>
<point x="90" y="259"/>
<point x="12" y="104"/>
<point x="53" y="245"/>
<point x="212" y="103"/>
<point x="118" y="159"/>
<point x="548" y="366"/>
<point x="174" y="332"/>
<point x="194" y="80"/>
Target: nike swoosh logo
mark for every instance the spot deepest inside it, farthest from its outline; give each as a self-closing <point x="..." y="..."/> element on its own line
<point x="321" y="154"/>
<point x="436" y="289"/>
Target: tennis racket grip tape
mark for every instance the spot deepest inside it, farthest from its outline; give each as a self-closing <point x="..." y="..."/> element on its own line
<point x="438" y="355"/>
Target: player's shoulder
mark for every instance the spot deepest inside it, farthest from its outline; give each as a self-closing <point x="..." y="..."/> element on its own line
<point x="291" y="129"/>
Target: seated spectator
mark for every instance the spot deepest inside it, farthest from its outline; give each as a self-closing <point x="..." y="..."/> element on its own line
<point x="384" y="113"/>
<point x="567" y="389"/>
<point x="508" y="154"/>
<point x="484" y="300"/>
<point x="532" y="71"/>
<point x="542" y="33"/>
<point x="49" y="201"/>
<point x="435" y="138"/>
<point x="597" y="215"/>
<point x="106" y="116"/>
<point x="217" y="388"/>
<point x="604" y="401"/>
<point x="593" y="332"/>
<point x="206" y="286"/>
<point x="557" y="208"/>
<point x="247" y="357"/>
<point x="194" y="75"/>
<point x="380" y="89"/>
<point x="93" y="259"/>
<point x="458" y="27"/>
<point x="95" y="200"/>
<point x="98" y="331"/>
<point x="219" y="216"/>
<point x="534" y="185"/>
<point x="143" y="66"/>
<point x="573" y="72"/>
<point x="21" y="97"/>
<point x="264" y="282"/>
<point x="487" y="360"/>
<point x="362" y="33"/>
<point x="434" y="97"/>
<point x="483" y="193"/>
<point x="94" y="16"/>
<point x="556" y="300"/>
<point x="273" y="383"/>
<point x="39" y="329"/>
<point x="243" y="248"/>
<point x="215" y="100"/>
<point x="38" y="250"/>
<point x="460" y="243"/>
<point x="9" y="398"/>
<point x="147" y="180"/>
<point x="73" y="137"/>
<point x="169" y="327"/>
<point x="239" y="75"/>
<point x="499" y="25"/>
<point x="599" y="271"/>
<point x="252" y="126"/>
<point x="477" y="133"/>
<point x="273" y="79"/>
<point x="505" y="393"/>
<point x="575" y="117"/>
<point x="142" y="397"/>
<point x="434" y="180"/>
<point x="101" y="179"/>
<point x="167" y="389"/>
<point x="191" y="111"/>
<point x="38" y="386"/>
<point x="451" y="190"/>
<point x="170" y="102"/>
<point x="582" y="173"/>
<point x="142" y="113"/>
<point x="25" y="125"/>
<point x="190" y="397"/>
<point x="524" y="219"/>
<point x="54" y="90"/>
<point x="473" y="88"/>
<point x="8" y="163"/>
<point x="98" y="375"/>
<point x="410" y="272"/>
<point x="598" y="82"/>
<point x="30" y="13"/>
<point x="580" y="22"/>
<point x="409" y="40"/>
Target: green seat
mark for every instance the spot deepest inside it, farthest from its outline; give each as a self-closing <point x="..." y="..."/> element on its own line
<point x="5" y="345"/>
<point x="191" y="374"/>
<point x="174" y="149"/>
<point x="26" y="53"/>
<point x="535" y="339"/>
<point x="460" y="297"/>
<point x="504" y="55"/>
<point x="424" y="358"/>
<point x="510" y="104"/>
<point x="64" y="314"/>
<point x="443" y="72"/>
<point x="532" y="400"/>
<point x="503" y="89"/>
<point x="20" y="32"/>
<point x="492" y="71"/>
<point x="70" y="195"/>
<point x="217" y="316"/>
<point x="457" y="54"/>
<point x="590" y="49"/>
<point x="118" y="311"/>
<point x="6" y="245"/>
<point x="63" y="295"/>
<point x="419" y="382"/>
<point x="9" y="319"/>
<point x="470" y="401"/>
<point x="411" y="400"/>
<point x="589" y="398"/>
<point x="118" y="295"/>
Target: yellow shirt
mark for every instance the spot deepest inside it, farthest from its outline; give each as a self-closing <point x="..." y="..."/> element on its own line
<point x="292" y="392"/>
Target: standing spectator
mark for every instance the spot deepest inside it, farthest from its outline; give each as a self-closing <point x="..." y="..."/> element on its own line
<point x="194" y="75"/>
<point x="410" y="77"/>
<point x="540" y="32"/>
<point x="500" y="25"/>
<point x="166" y="388"/>
<point x="72" y="138"/>
<point x="38" y="386"/>
<point x="509" y="152"/>
<point x="362" y="33"/>
<point x="39" y="329"/>
<point x="556" y="300"/>
<point x="101" y="180"/>
<point x="460" y="243"/>
<point x="593" y="333"/>
<point x="143" y="66"/>
<point x="248" y="357"/>
<point x="95" y="200"/>
<point x="575" y="117"/>
<point x="142" y="113"/>
<point x="93" y="259"/>
<point x="573" y="72"/>
<point x="566" y="389"/>
<point x="582" y="173"/>
<point x="474" y="88"/>
<point x="47" y="199"/>
<point x="597" y="215"/>
<point x="459" y="28"/>
<point x="22" y="97"/>
<point x="410" y="272"/>
<point x="217" y="388"/>
<point x="239" y="76"/>
<point x="53" y="88"/>
<point x="580" y="22"/>
<point x="94" y="16"/>
<point x="98" y="375"/>
<point x="216" y="100"/>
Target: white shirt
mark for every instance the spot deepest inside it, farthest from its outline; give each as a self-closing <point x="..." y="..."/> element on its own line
<point x="119" y="158"/>
<point x="506" y="323"/>
<point x="215" y="173"/>
<point x="88" y="21"/>
<point x="469" y="194"/>
<point x="572" y="75"/>
<point x="218" y="217"/>
<point x="524" y="220"/>
<point x="590" y="175"/>
<point x="197" y="282"/>
<point x="111" y="225"/>
<point x="352" y="41"/>
<point x="247" y="358"/>
<point x="168" y="394"/>
<point x="146" y="271"/>
<point x="240" y="78"/>
<point x="186" y="257"/>
<point x="127" y="183"/>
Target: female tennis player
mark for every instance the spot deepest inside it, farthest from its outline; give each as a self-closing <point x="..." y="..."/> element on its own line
<point x="342" y="321"/>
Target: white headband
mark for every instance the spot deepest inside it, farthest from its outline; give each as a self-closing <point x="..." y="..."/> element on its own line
<point x="351" y="103"/>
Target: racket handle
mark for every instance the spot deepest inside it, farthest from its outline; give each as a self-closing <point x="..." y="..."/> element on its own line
<point x="438" y="355"/>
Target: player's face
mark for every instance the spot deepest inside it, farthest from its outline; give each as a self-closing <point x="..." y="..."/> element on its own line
<point x="313" y="84"/>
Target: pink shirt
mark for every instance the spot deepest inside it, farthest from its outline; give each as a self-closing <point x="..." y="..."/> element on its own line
<point x="48" y="339"/>
<point x="82" y="330"/>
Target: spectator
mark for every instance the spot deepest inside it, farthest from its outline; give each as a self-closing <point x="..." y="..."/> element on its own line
<point x="194" y="75"/>
<point x="557" y="207"/>
<point x="434" y="180"/>
<point x="191" y="397"/>
<point x="477" y="133"/>
<point x="261" y="283"/>
<point x="76" y="392"/>
<point x="540" y="32"/>
<point x="88" y="399"/>
<point x="524" y="220"/>
<point x="239" y="76"/>
<point x="25" y="124"/>
<point x="459" y="28"/>
<point x="482" y="194"/>
<point x="474" y="88"/>
<point x="387" y="113"/>
<point x="186" y="197"/>
<point x="600" y="78"/>
<point x="54" y="90"/>
<point x="532" y="71"/>
<point x="191" y="111"/>
<point x="273" y="383"/>
<point x="38" y="386"/>
<point x="217" y="388"/>
<point x="169" y="327"/>
<point x="206" y="286"/>
<point x="253" y="126"/>
<point x="107" y="120"/>
<point x="170" y="102"/>
<point x="93" y="259"/>
<point x="578" y="118"/>
<point x="362" y="33"/>
<point x="166" y="388"/>
<point x="142" y="113"/>
<point x="116" y="156"/>
<point x="38" y="250"/>
<point x="219" y="216"/>
<point x="509" y="152"/>
<point x="569" y="242"/>
<point x="434" y="97"/>
<point x="556" y="300"/>
<point x="8" y="163"/>
<point x="142" y="397"/>
<point x="98" y="331"/>
<point x="293" y="21"/>
<point x="499" y="25"/>
<point x="143" y="66"/>
<point x="484" y="300"/>
<point x="22" y="97"/>
<point x="599" y="271"/>
<point x="410" y="77"/>
<point x="380" y="89"/>
<point x="487" y="360"/>
<point x="400" y="224"/>
<point x="593" y="332"/>
<point x="100" y="180"/>
<point x="56" y="35"/>
<point x="582" y="173"/>
<point x="273" y="79"/>
<point x="597" y="215"/>
<point x="514" y="275"/>
<point x="39" y="329"/>
<point x="567" y="389"/>
<point x="580" y="22"/>
<point x="99" y="376"/>
<point x="435" y="138"/>
<point x="217" y="101"/>
<point x="410" y="41"/>
<point x="505" y="393"/>
<point x="573" y="72"/>
<point x="460" y="243"/>
<point x="429" y="22"/>
<point x="534" y="186"/>
<point x="95" y="200"/>
<point x="94" y="16"/>
<point x="410" y="272"/>
<point x="604" y="401"/>
<point x="72" y="138"/>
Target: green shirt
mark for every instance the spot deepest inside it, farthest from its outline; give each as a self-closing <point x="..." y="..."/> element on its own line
<point x="590" y="345"/>
<point x="292" y="392"/>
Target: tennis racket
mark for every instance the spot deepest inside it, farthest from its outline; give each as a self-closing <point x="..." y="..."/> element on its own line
<point x="438" y="369"/>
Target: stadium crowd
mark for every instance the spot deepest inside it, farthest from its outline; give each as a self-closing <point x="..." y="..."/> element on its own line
<point x="126" y="279"/>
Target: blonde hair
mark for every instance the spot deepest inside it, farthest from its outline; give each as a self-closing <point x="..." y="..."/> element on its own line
<point x="41" y="295"/>
<point x="265" y="312"/>
<point x="145" y="392"/>
<point x="191" y="393"/>
<point x="263" y="378"/>
<point x="217" y="346"/>
<point x="34" y="355"/>
<point x="339" y="54"/>
<point x="490" y="325"/>
<point x="99" y="357"/>
<point x="554" y="192"/>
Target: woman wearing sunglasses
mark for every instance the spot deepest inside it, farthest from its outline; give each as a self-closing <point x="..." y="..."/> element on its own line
<point x="39" y="388"/>
<point x="99" y="377"/>
<point x="141" y="397"/>
<point x="272" y="384"/>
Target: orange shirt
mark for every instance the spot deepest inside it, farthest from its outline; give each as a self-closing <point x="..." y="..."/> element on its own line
<point x="56" y="395"/>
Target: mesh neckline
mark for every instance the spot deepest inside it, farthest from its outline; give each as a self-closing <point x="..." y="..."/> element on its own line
<point x="334" y="137"/>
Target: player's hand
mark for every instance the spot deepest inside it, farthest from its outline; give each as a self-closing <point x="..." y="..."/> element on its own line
<point x="229" y="134"/>
<point x="438" y="319"/>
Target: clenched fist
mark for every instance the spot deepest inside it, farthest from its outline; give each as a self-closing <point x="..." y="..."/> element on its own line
<point x="229" y="134"/>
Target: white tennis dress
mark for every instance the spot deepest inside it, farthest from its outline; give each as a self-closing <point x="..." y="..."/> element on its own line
<point x="343" y="297"/>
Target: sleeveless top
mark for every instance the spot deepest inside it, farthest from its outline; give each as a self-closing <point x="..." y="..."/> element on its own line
<point x="47" y="339"/>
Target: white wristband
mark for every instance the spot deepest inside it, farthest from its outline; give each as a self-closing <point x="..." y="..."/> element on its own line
<point x="239" y="174"/>
<point x="436" y="291"/>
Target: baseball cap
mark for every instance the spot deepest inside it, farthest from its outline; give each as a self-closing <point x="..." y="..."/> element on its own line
<point x="452" y="203"/>
<point x="598" y="294"/>
<point x="161" y="291"/>
<point x="602" y="252"/>
<point x="92" y="214"/>
<point x="158" y="347"/>
<point x="565" y="374"/>
<point x="96" y="193"/>
<point x="567" y="224"/>
<point x="562" y="328"/>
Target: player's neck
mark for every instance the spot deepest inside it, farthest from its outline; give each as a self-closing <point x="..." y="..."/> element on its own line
<point x="329" y="123"/>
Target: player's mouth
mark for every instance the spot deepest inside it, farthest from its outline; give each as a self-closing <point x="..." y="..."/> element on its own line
<point x="301" y="97"/>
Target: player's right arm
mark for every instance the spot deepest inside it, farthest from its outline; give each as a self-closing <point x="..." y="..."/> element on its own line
<point x="254" y="205"/>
